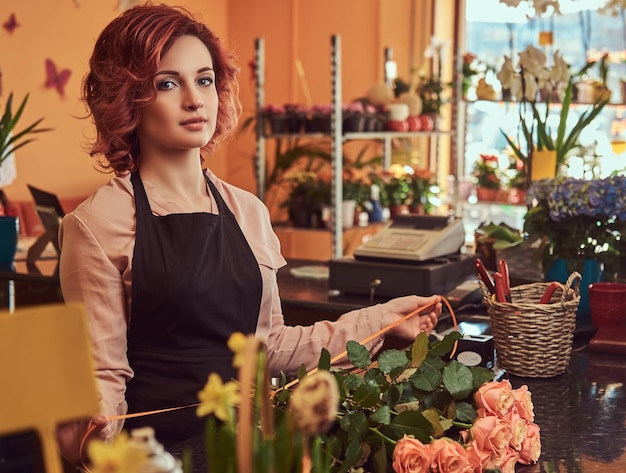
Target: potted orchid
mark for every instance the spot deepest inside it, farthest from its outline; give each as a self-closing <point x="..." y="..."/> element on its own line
<point x="541" y="152"/>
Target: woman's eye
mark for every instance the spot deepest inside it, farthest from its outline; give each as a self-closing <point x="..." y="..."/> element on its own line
<point x="165" y="85"/>
<point x="205" y="81"/>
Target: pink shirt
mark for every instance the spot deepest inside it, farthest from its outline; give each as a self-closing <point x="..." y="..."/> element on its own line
<point x="97" y="241"/>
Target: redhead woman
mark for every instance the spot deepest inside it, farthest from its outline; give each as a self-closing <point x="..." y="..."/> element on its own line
<point x="168" y="259"/>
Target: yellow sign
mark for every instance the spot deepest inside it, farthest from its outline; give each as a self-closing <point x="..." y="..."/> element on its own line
<point x="47" y="373"/>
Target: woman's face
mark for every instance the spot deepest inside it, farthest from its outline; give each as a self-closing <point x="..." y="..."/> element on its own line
<point x="184" y="114"/>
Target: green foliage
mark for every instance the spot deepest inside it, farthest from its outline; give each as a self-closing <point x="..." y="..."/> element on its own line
<point x="10" y="140"/>
<point x="419" y="391"/>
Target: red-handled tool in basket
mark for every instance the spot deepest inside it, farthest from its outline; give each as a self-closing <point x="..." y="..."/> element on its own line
<point x="506" y="280"/>
<point x="501" y="295"/>
<point x="545" y="299"/>
<point x="485" y="276"/>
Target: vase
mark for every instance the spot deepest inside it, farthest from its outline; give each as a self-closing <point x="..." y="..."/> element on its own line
<point x="591" y="271"/>
<point x="543" y="164"/>
<point x="9" y="232"/>
<point x="348" y="208"/>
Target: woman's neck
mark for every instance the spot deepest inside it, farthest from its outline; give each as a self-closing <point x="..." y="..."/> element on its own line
<point x="175" y="179"/>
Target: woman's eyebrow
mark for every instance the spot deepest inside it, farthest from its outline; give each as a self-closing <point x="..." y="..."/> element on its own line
<point x="176" y="73"/>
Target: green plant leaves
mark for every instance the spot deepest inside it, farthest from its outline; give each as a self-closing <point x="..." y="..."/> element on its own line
<point x="393" y="362"/>
<point x="411" y="423"/>
<point x="358" y="355"/>
<point x="457" y="378"/>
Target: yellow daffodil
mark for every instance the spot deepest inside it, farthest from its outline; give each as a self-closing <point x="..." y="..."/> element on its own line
<point x="237" y="343"/>
<point x="218" y="398"/>
<point x="117" y="456"/>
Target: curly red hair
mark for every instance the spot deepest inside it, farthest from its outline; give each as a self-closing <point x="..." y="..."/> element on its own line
<point x="121" y="79"/>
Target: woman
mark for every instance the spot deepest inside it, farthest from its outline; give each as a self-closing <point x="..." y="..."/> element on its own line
<point x="168" y="259"/>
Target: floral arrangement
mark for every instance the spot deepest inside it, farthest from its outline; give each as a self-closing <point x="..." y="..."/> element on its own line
<point x="308" y="189"/>
<point x="487" y="171"/>
<point x="577" y="218"/>
<point x="423" y="187"/>
<point x="413" y="410"/>
<point x="394" y="185"/>
<point x="526" y="83"/>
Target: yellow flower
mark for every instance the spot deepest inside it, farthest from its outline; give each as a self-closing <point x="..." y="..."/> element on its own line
<point x="117" y="456"/>
<point x="218" y="398"/>
<point x="237" y="343"/>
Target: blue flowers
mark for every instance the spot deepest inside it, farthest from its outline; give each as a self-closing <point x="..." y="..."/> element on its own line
<point x="578" y="219"/>
<point x="570" y="197"/>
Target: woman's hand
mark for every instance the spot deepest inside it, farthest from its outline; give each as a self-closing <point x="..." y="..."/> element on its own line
<point x="71" y="437"/>
<point x="402" y="306"/>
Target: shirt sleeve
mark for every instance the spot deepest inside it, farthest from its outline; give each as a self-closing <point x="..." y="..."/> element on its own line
<point x="289" y="347"/>
<point x="89" y="277"/>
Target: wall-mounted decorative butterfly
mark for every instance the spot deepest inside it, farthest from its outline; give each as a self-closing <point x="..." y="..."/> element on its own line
<point x="55" y="78"/>
<point x="11" y="23"/>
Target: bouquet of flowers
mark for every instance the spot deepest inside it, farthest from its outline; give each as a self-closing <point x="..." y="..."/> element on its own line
<point x="487" y="172"/>
<point x="413" y="410"/>
<point x="577" y="218"/>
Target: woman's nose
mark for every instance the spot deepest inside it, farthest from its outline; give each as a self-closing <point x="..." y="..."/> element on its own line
<point x="193" y="100"/>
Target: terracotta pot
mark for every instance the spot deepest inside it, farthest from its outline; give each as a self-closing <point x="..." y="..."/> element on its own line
<point x="486" y="194"/>
<point x="398" y="209"/>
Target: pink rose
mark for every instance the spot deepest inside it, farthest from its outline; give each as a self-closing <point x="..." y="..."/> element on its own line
<point x="411" y="456"/>
<point x="524" y="403"/>
<point x="477" y="458"/>
<point x="509" y="461"/>
<point x="518" y="427"/>
<point x="531" y="446"/>
<point x="449" y="457"/>
<point x="494" y="398"/>
<point x="492" y="434"/>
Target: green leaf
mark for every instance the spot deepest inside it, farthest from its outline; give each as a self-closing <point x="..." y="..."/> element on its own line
<point x="382" y="415"/>
<point x="379" y="459"/>
<point x="366" y="395"/>
<point x="324" y="361"/>
<point x="358" y="355"/>
<point x="433" y="417"/>
<point x="419" y="349"/>
<point x="427" y="378"/>
<point x="443" y="347"/>
<point x="480" y="376"/>
<point x="353" y="455"/>
<point x="465" y="412"/>
<point x="457" y="378"/>
<point x="355" y="423"/>
<point x="411" y="423"/>
<point x="392" y="360"/>
<point x="393" y="394"/>
<point x="302" y="371"/>
<point x="352" y="381"/>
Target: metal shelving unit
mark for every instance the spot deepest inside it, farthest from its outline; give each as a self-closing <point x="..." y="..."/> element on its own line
<point x="337" y="137"/>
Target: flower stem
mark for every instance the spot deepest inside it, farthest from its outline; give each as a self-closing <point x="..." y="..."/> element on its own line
<point x="462" y="425"/>
<point x="383" y="436"/>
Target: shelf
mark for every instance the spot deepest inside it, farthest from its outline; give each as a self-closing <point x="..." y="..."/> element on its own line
<point x="364" y="135"/>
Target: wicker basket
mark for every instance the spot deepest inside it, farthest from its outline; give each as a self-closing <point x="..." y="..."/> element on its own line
<point x="531" y="339"/>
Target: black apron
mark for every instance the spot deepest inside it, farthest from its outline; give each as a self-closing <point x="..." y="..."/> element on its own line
<point x="195" y="282"/>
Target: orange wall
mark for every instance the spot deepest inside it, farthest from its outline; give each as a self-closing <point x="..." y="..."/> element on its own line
<point x="292" y="29"/>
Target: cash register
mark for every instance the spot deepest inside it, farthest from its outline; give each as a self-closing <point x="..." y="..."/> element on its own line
<point x="413" y="254"/>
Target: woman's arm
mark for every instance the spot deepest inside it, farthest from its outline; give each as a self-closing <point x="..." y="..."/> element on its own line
<point x="291" y="346"/>
<point x="89" y="277"/>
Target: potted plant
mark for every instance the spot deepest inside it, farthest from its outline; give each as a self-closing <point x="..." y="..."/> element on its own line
<point x="10" y="141"/>
<point x="540" y="151"/>
<point x="487" y="177"/>
<point x="422" y="187"/>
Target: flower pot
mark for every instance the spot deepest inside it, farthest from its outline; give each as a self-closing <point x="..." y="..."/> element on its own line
<point x="398" y="209"/>
<point x="516" y="196"/>
<point x="607" y="302"/>
<point x="543" y="164"/>
<point x="486" y="194"/>
<point x="9" y="231"/>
